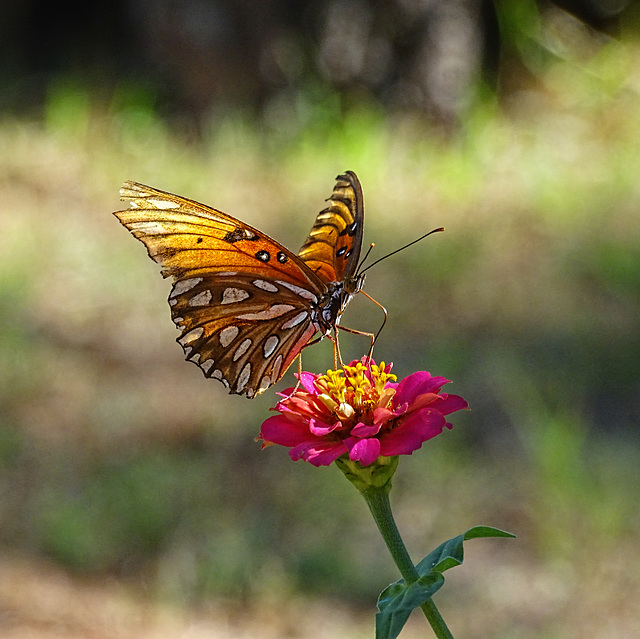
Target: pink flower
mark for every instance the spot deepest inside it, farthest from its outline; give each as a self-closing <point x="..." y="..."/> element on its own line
<point x="359" y="411"/>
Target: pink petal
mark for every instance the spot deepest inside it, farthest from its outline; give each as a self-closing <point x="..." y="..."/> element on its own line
<point x="305" y="405"/>
<point x="286" y="393"/>
<point x="450" y="404"/>
<point x="381" y="415"/>
<point x="412" y="432"/>
<point x="286" y="430"/>
<point x="366" y="451"/>
<point x="417" y="384"/>
<point x="423" y="400"/>
<point x="321" y="429"/>
<point x="318" y="454"/>
<point x="307" y="382"/>
<point x="365" y="430"/>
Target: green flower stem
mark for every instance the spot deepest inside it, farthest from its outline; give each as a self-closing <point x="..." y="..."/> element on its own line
<point x="380" y="507"/>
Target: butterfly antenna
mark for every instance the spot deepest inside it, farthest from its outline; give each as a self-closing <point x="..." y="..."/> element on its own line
<point x="399" y="249"/>
<point x="364" y="259"/>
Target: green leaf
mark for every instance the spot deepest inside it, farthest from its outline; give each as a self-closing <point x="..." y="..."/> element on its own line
<point x="397" y="601"/>
<point x="451" y="552"/>
<point x="486" y="531"/>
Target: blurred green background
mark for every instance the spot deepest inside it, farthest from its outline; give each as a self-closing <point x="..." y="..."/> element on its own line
<point x="134" y="501"/>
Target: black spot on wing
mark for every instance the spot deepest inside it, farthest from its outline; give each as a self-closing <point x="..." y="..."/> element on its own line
<point x="351" y="229"/>
<point x="238" y="234"/>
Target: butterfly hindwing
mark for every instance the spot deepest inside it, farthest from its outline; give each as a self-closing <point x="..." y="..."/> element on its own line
<point x="243" y="331"/>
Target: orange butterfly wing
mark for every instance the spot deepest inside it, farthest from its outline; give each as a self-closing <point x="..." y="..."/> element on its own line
<point x="245" y="304"/>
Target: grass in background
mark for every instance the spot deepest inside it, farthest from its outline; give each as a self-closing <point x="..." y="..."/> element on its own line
<point x="119" y="458"/>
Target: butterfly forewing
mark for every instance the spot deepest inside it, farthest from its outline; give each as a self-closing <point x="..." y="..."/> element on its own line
<point x="332" y="249"/>
<point x="245" y="304"/>
<point x="184" y="236"/>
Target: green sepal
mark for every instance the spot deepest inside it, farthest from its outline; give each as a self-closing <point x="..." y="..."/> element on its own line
<point x="375" y="477"/>
<point x="397" y="601"/>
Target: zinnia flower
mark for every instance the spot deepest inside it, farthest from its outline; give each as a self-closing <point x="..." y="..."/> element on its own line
<point x="360" y="412"/>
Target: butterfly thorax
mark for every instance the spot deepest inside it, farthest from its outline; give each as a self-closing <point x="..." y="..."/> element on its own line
<point x="327" y="313"/>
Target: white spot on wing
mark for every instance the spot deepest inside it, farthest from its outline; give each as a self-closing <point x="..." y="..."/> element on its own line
<point x="232" y="295"/>
<point x="164" y="204"/>
<point x="265" y="382"/>
<point x="242" y="349"/>
<point x="270" y="345"/>
<point x="201" y="299"/>
<point x="149" y="228"/>
<point x="206" y="365"/>
<point x="273" y="311"/>
<point x="294" y="321"/>
<point x="275" y="373"/>
<point x="244" y="376"/>
<point x="298" y="290"/>
<point x="182" y="286"/>
<point x="266" y="286"/>
<point x="191" y="336"/>
<point x="227" y="335"/>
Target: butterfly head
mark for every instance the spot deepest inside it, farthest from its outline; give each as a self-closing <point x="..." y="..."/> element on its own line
<point x="334" y="301"/>
<point x="353" y="285"/>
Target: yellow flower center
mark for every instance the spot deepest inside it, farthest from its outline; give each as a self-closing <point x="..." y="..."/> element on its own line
<point x="349" y="390"/>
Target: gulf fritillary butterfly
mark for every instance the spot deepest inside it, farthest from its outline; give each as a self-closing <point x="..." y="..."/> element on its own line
<point x="246" y="305"/>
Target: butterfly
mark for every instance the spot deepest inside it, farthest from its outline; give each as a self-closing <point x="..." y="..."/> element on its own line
<point x="245" y="304"/>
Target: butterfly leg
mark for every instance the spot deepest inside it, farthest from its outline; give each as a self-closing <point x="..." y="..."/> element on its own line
<point x="353" y="331"/>
<point x="337" y="357"/>
<point x="384" y="321"/>
<point x="311" y="343"/>
<point x="297" y="386"/>
<point x="373" y="337"/>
